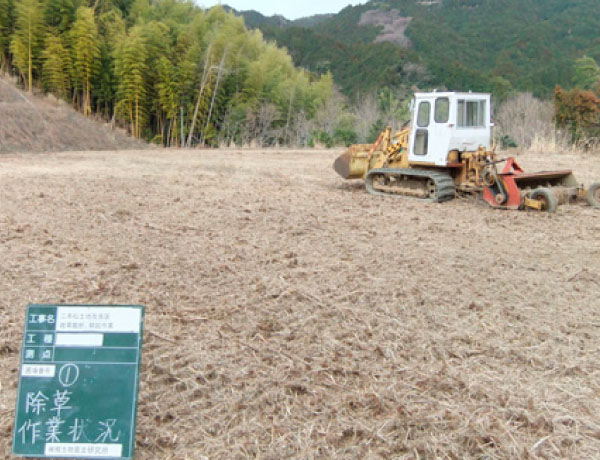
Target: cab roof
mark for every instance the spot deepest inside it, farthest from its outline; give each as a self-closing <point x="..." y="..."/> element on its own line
<point x="451" y="94"/>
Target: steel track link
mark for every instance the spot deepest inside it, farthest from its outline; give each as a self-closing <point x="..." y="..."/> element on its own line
<point x="443" y="182"/>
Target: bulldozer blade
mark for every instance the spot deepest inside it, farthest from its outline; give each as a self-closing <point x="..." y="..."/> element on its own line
<point x="342" y="165"/>
<point x="353" y="163"/>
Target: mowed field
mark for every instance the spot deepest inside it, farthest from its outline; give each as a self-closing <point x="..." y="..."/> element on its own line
<point x="292" y="315"/>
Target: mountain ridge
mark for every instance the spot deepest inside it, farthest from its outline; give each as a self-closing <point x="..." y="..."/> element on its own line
<point x="255" y="19"/>
<point x="484" y="45"/>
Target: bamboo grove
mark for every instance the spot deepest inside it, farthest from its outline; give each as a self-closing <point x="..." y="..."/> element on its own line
<point x="168" y="70"/>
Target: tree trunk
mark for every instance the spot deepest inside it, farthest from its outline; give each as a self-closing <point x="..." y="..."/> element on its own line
<point x="137" y="115"/>
<point x="289" y="116"/>
<point x="30" y="70"/>
<point x="132" y="126"/>
<point x="214" y="95"/>
<point x="87" y="105"/>
<point x="5" y="63"/>
<point x="164" y="132"/>
<point x="181" y="127"/>
<point x="200" y="92"/>
<point x="168" y="137"/>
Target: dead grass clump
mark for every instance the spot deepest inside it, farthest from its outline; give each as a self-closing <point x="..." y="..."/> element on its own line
<point x="553" y="142"/>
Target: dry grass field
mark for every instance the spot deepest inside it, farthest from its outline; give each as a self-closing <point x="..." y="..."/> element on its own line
<point x="291" y="315"/>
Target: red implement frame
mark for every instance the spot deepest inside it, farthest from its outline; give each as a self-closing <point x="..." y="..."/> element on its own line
<point x="513" y="178"/>
<point x="507" y="176"/>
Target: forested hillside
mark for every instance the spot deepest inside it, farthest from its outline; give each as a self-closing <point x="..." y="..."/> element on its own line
<point x="173" y="73"/>
<point x="358" y="68"/>
<point x="487" y="45"/>
<point x="168" y="70"/>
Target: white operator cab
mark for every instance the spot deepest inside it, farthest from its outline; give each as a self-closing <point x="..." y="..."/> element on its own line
<point x="442" y="122"/>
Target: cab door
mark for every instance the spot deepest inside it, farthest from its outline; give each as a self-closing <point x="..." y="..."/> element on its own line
<point x="432" y="131"/>
<point x="419" y="135"/>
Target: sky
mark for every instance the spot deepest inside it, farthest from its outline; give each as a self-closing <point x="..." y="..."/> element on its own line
<point x="291" y="9"/>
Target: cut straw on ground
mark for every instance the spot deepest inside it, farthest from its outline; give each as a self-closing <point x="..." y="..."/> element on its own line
<point x="291" y="315"/>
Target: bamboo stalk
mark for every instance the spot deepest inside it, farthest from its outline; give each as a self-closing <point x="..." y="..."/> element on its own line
<point x="214" y="95"/>
<point x="200" y="92"/>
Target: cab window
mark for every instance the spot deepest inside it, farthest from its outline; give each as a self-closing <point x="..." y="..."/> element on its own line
<point x="471" y="114"/>
<point x="442" y="110"/>
<point x="421" y="142"/>
<point x="423" y="115"/>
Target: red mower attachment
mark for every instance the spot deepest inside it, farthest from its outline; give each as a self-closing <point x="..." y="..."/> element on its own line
<point x="514" y="189"/>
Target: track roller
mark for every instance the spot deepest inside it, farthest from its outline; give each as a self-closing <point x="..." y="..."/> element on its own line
<point x="426" y="185"/>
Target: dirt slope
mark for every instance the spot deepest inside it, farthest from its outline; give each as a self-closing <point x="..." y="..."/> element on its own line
<point x="291" y="315"/>
<point x="37" y="124"/>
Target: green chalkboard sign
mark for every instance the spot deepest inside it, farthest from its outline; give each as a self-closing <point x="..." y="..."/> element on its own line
<point x="78" y="384"/>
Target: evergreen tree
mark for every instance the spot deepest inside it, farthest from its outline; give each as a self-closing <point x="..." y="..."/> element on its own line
<point x="166" y="67"/>
<point x="27" y="39"/>
<point x="138" y="10"/>
<point x="587" y="74"/>
<point x="59" y="14"/>
<point x="130" y="70"/>
<point x="6" y="28"/>
<point x="86" y="54"/>
<point x="111" y="27"/>
<point x="56" y="66"/>
<point x="168" y="97"/>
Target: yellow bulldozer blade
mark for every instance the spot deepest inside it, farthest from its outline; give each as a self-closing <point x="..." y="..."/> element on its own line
<point x="353" y="163"/>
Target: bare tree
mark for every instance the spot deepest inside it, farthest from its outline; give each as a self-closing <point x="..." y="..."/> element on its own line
<point x="328" y="115"/>
<point x="366" y="112"/>
<point x="260" y="123"/>
<point x="524" y="119"/>
<point x="229" y="129"/>
<point x="303" y="128"/>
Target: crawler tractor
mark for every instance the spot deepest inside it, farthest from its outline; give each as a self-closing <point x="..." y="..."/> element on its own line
<point x="448" y="151"/>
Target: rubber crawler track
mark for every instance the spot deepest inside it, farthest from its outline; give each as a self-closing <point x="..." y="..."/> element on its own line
<point x="444" y="184"/>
